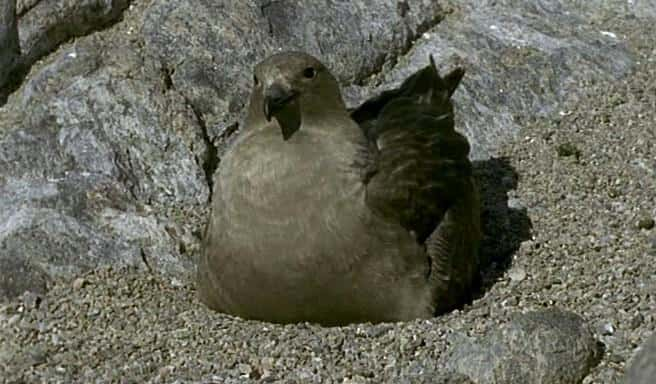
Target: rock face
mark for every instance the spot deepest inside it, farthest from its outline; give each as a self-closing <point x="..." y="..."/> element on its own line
<point x="9" y="50"/>
<point x="43" y="26"/>
<point x="546" y="347"/>
<point x="116" y="111"/>
<point x="642" y="369"/>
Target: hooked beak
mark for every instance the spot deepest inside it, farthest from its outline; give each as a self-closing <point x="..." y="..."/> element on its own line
<point x="276" y="97"/>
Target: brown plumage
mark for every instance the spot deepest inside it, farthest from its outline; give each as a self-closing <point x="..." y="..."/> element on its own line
<point x="333" y="217"/>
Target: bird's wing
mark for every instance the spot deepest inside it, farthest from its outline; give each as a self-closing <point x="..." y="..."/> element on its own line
<point x="417" y="164"/>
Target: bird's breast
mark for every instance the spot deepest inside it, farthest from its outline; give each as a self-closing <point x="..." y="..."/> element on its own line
<point x="279" y="189"/>
<point x="290" y="229"/>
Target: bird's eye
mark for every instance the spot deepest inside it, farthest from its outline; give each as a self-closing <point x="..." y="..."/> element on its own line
<point x="256" y="81"/>
<point x="309" y="73"/>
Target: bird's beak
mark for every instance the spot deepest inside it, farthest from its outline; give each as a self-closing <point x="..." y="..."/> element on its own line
<point x="283" y="104"/>
<point x="276" y="97"/>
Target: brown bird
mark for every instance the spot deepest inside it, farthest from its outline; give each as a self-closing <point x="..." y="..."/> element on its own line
<point x="327" y="216"/>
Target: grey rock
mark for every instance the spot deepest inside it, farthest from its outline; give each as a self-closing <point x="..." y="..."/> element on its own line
<point x="9" y="48"/>
<point x="19" y="275"/>
<point x="551" y="48"/>
<point x="358" y="38"/>
<point x="210" y="60"/>
<point x="549" y="346"/>
<point x="517" y="274"/>
<point x="22" y="6"/>
<point x="44" y="25"/>
<point x="85" y="172"/>
<point x="31" y="300"/>
<point x="646" y="223"/>
<point x="642" y="368"/>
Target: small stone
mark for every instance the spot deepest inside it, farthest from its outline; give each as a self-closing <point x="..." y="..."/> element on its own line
<point x="636" y="321"/>
<point x="165" y="370"/>
<point x="567" y="150"/>
<point x="244" y="369"/>
<point x="515" y="203"/>
<point x="357" y="379"/>
<point x="13" y="319"/>
<point x="31" y="300"/>
<point x="517" y="274"/>
<point x="79" y="283"/>
<point x="646" y="223"/>
<point x="615" y="358"/>
<point x="510" y="302"/>
<point x="606" y="329"/>
<point x="36" y="356"/>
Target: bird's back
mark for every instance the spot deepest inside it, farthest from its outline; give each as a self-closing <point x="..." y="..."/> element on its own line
<point x="420" y="176"/>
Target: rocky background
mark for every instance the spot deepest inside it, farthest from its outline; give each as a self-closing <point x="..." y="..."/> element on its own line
<point x="113" y="118"/>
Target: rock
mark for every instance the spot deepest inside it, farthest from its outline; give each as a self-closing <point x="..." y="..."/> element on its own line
<point x="92" y="154"/>
<point x="31" y="300"/>
<point x="642" y="368"/>
<point x="504" y="43"/>
<point x="9" y="48"/>
<point x="19" y="275"/>
<point x="606" y="329"/>
<point x="568" y="150"/>
<point x="210" y="60"/>
<point x="79" y="283"/>
<point x="646" y="223"/>
<point x="517" y="274"/>
<point x="45" y="25"/>
<point x="636" y="321"/>
<point x="549" y="346"/>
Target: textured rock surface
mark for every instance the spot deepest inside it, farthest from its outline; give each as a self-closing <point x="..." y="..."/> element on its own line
<point x="643" y="365"/>
<point x="85" y="170"/>
<point x="43" y="25"/>
<point x="523" y="59"/>
<point x="548" y="347"/>
<point x="9" y="49"/>
<point x="210" y="60"/>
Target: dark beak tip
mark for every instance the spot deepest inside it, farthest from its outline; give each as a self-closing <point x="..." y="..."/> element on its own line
<point x="276" y="98"/>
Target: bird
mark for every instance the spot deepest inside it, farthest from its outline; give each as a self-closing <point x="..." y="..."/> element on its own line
<point x="333" y="216"/>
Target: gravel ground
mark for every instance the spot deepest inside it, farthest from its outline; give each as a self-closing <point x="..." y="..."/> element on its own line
<point x="587" y="179"/>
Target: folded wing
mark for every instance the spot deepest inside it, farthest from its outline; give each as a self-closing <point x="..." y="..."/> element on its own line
<point x="417" y="164"/>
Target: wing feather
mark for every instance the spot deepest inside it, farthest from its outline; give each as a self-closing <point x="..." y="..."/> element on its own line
<point x="418" y="164"/>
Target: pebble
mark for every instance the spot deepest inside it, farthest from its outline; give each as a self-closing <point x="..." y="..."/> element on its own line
<point x="606" y="329"/>
<point x="31" y="300"/>
<point x="636" y="321"/>
<point x="646" y="223"/>
<point x="517" y="274"/>
<point x="79" y="283"/>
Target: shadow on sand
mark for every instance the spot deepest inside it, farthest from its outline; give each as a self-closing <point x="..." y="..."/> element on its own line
<point x="504" y="227"/>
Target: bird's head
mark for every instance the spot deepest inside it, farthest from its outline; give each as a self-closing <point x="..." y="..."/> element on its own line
<point x="292" y="87"/>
